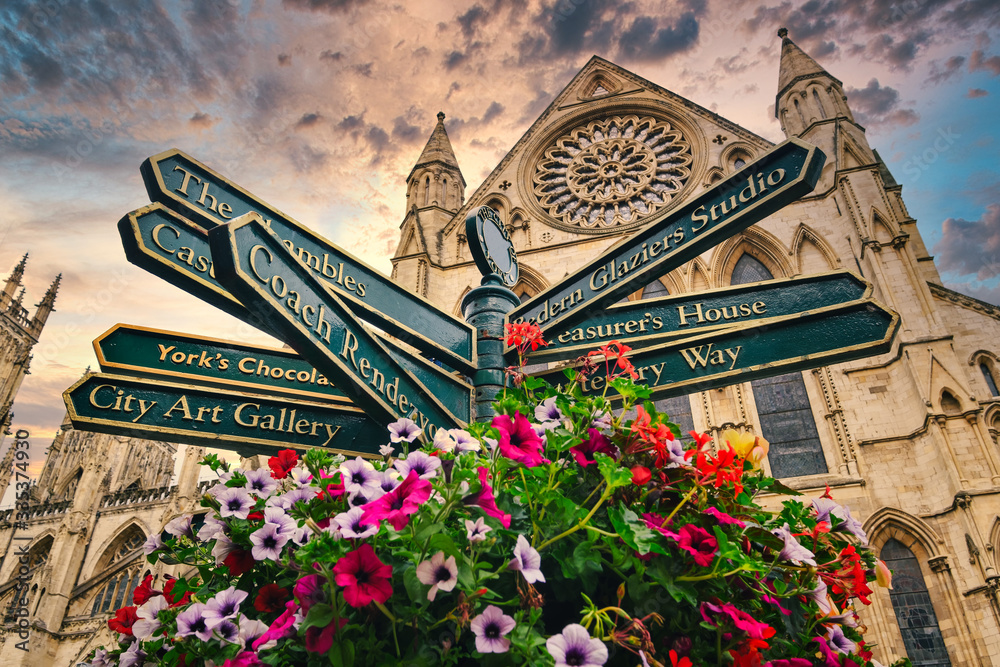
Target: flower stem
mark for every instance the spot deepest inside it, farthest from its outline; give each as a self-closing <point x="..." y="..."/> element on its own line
<point x="582" y="524"/>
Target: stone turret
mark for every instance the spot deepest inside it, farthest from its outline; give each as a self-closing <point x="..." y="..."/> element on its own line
<point x="45" y="306"/>
<point x="807" y="93"/>
<point x="436" y="179"/>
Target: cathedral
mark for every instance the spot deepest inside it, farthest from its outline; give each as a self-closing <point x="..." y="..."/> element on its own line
<point x="909" y="440"/>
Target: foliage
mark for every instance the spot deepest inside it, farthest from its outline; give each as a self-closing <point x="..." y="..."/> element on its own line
<point x="564" y="532"/>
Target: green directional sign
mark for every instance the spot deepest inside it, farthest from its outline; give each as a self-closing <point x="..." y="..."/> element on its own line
<point x="786" y="173"/>
<point x="655" y="321"/>
<point x="260" y="270"/>
<point x="176" y="250"/>
<point x="206" y="198"/>
<point x="202" y="415"/>
<point x="769" y="347"/>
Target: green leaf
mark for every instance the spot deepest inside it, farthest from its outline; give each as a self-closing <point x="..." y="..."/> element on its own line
<point x="320" y="616"/>
<point x="777" y="487"/>
<point x="442" y="542"/>
<point x="342" y="653"/>
<point x="415" y="590"/>
<point x="634" y="531"/>
<point x="428" y="530"/>
<point x="613" y="474"/>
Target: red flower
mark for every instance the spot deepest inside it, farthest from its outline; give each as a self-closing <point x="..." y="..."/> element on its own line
<point x="397" y="505"/>
<point x="319" y="640"/>
<point x="123" y="620"/>
<point x="679" y="662"/>
<point x="726" y="467"/>
<point x="144" y="591"/>
<point x="168" y="592"/>
<point x="615" y="351"/>
<point x="485" y="500"/>
<point x="738" y="618"/>
<point x="518" y="441"/>
<point x="363" y="576"/>
<point x="282" y="463"/>
<point x="255" y="516"/>
<point x="641" y="475"/>
<point x="701" y="438"/>
<point x="523" y="335"/>
<point x="697" y="542"/>
<point x="596" y="442"/>
<point x="239" y="561"/>
<point x="271" y="598"/>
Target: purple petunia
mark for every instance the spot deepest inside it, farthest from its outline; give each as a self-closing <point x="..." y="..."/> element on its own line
<point x="490" y="628"/>
<point x="147" y="623"/>
<point x="838" y="641"/>
<point x="225" y="605"/>
<point x="268" y="542"/>
<point x="276" y="515"/>
<point x="235" y="502"/>
<point x="386" y="450"/>
<point x="575" y="646"/>
<point x="251" y="629"/>
<point x="260" y="483"/>
<point x="403" y="430"/>
<point x="359" y="475"/>
<point x="527" y="561"/>
<point x="153" y="544"/>
<point x="548" y="413"/>
<point x="133" y="656"/>
<point x="477" y="531"/>
<point x="793" y="551"/>
<point x="351" y="526"/>
<point x="300" y="476"/>
<point x="223" y="547"/>
<point x="825" y="508"/>
<point x="227" y="631"/>
<point x="211" y="529"/>
<point x="425" y="465"/>
<point x="180" y="527"/>
<point x="439" y="573"/>
<point x="191" y="621"/>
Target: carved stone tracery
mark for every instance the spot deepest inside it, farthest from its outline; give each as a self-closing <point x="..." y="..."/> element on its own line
<point x="612" y="173"/>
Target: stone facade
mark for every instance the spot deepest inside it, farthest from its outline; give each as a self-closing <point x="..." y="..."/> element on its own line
<point x="908" y="440"/>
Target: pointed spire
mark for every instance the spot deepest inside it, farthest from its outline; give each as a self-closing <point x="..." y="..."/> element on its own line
<point x="50" y="296"/>
<point x="15" y="276"/>
<point x="438" y="149"/>
<point x="45" y="306"/>
<point x="796" y="65"/>
<point x="20" y="296"/>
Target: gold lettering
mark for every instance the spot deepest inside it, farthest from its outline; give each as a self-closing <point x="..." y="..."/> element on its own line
<point x="239" y="413"/>
<point x="181" y="404"/>
<point x="156" y="237"/>
<point x="253" y="261"/>
<point x="93" y="396"/>
<point x="187" y="180"/>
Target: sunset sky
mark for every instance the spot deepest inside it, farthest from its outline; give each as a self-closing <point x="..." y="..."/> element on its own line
<point x="320" y="107"/>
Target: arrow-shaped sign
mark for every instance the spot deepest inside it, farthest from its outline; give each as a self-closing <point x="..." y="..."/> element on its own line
<point x="656" y="321"/>
<point x="786" y="173"/>
<point x="770" y="347"/>
<point x="198" y="415"/>
<point x="173" y="248"/>
<point x="258" y="268"/>
<point x="208" y="199"/>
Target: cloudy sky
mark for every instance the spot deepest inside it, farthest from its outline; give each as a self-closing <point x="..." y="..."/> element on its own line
<point x="321" y="106"/>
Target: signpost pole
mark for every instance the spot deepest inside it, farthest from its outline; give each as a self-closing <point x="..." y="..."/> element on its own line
<point x="486" y="307"/>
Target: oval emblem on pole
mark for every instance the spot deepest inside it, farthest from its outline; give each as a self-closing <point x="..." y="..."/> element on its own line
<point x="491" y="246"/>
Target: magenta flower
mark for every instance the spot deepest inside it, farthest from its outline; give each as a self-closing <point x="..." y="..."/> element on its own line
<point x="697" y="542"/>
<point x="283" y="626"/>
<point x="595" y="443"/>
<point x="363" y="576"/>
<point x="439" y="573"/>
<point x="527" y="561"/>
<point x="490" y="628"/>
<point x="309" y="591"/>
<point x="485" y="500"/>
<point x="575" y="646"/>
<point x="722" y="517"/>
<point x="319" y="640"/>
<point x="518" y="440"/>
<point x="244" y="659"/>
<point x="740" y="619"/>
<point x="830" y="659"/>
<point x="397" y="505"/>
<point x="659" y="524"/>
<point x="403" y="430"/>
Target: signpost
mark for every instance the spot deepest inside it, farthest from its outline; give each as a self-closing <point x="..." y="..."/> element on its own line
<point x="207" y="199"/>
<point x="656" y="321"/>
<point x="781" y="176"/>
<point x="762" y="349"/>
<point x="199" y="415"/>
<point x="258" y="268"/>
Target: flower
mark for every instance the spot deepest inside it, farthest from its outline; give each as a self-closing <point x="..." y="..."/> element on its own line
<point x="192" y="621"/>
<point x="491" y="628"/>
<point x="211" y="529"/>
<point x="677" y="662"/>
<point x="596" y="443"/>
<point x="363" y="576"/>
<point x="359" y="476"/>
<point x="738" y="618"/>
<point x="883" y="576"/>
<point x="251" y="628"/>
<point x="659" y="524"/>
<point x="548" y="413"/>
<point x="825" y="508"/>
<point x="746" y="445"/>
<point x="283" y="626"/>
<point x="485" y="500"/>
<point x="309" y="591"/>
<point x="697" y="542"/>
<point x="397" y="505"/>
<point x="386" y="450"/>
<point x="523" y="335"/>
<point x="152" y="544"/>
<point x="276" y="515"/>
<point x="477" y="530"/>
<point x="425" y="464"/>
<point x="722" y="517"/>
<point x="225" y="605"/>
<point x="518" y="441"/>
<point x="180" y="527"/>
<point x="527" y="561"/>
<point x="147" y="623"/>
<point x="270" y="598"/>
<point x="641" y="475"/>
<point x="319" y="640"/>
<point x="226" y="631"/>
<point x="267" y="542"/>
<point x="260" y="483"/>
<point x="438" y="573"/>
<point x="235" y="502"/>
<point x="144" y="591"/>
<point x="838" y="641"/>
<point x="132" y="656"/>
<point x="404" y="430"/>
<point x="793" y="551"/>
<point x="283" y="463"/>
<point x="575" y="646"/>
<point x="123" y="620"/>
<point x="351" y="526"/>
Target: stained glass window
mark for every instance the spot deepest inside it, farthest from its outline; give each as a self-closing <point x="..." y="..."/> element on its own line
<point x="990" y="382"/>
<point x="914" y="611"/>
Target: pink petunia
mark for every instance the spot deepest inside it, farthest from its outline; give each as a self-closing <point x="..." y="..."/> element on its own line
<point x="397" y="505"/>
<point x="518" y="440"/>
<point x="596" y="443"/>
<point x="697" y="542"/>
<point x="738" y="618"/>
<point x="723" y="518"/>
<point x="485" y="500"/>
<point x="659" y="524"/>
<point x="363" y="576"/>
<point x="283" y="626"/>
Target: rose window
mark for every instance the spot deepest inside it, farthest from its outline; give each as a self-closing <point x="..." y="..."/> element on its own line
<point x="613" y="172"/>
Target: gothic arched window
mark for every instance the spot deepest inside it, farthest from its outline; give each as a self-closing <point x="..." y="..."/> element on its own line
<point x="819" y="103"/>
<point x="786" y="418"/>
<point x="427" y="191"/>
<point x="120" y="586"/>
<point x="988" y="376"/>
<point x="914" y="611"/>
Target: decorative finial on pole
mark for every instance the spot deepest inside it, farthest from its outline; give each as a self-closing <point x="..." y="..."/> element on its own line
<point x="441" y="116"/>
<point x="782" y="32"/>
